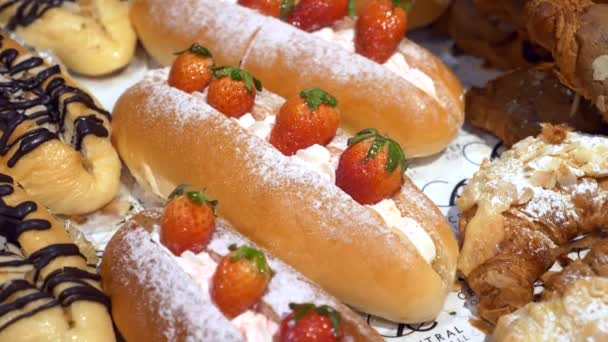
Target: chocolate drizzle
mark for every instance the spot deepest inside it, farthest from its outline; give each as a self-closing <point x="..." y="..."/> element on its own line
<point x="13" y="224"/>
<point x="12" y="219"/>
<point x="31" y="92"/>
<point x="28" y="10"/>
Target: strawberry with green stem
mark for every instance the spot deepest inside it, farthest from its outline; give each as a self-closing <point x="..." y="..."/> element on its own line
<point x="380" y="28"/>
<point x="310" y="118"/>
<point x="310" y="323"/>
<point x="240" y="280"/>
<point x="371" y="168"/>
<point x="191" y="71"/>
<point x="312" y="15"/>
<point x="232" y="91"/>
<point x="188" y="221"/>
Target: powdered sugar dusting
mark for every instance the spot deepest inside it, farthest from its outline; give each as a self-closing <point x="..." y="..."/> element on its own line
<point x="263" y="161"/>
<point x="531" y="172"/>
<point x="581" y="314"/>
<point x="343" y="34"/>
<point x="286" y="286"/>
<point x="345" y="67"/>
<point x="157" y="267"/>
<point x="179" y="299"/>
<point x="233" y="26"/>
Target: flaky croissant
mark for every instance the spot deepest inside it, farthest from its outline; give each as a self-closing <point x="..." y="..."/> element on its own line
<point x="519" y="209"/>
<point x="573" y="31"/>
<point x="574" y="305"/>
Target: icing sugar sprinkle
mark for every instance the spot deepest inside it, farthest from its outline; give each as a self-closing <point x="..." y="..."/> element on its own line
<point x="529" y="173"/>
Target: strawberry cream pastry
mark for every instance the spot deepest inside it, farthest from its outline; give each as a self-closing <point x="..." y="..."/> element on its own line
<point x="354" y="50"/>
<point x="221" y="286"/>
<point x="294" y="181"/>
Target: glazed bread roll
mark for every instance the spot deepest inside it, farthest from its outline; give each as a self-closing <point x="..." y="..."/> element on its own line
<point x="92" y="37"/>
<point x="54" y="137"/>
<point x="48" y="292"/>
<point x="414" y="97"/>
<point x="157" y="296"/>
<point x="167" y="137"/>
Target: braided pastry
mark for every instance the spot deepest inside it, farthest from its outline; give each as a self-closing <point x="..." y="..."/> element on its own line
<point x="47" y="290"/>
<point x="519" y="209"/>
<point x="92" y="37"/>
<point x="54" y="137"/>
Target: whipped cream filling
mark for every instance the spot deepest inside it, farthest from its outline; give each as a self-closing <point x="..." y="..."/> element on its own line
<point x="254" y="326"/>
<point x="259" y="128"/>
<point x="343" y="34"/>
<point x="320" y="159"/>
<point x="407" y="227"/>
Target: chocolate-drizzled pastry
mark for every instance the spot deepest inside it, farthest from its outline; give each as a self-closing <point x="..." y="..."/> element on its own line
<point x="48" y="292"/>
<point x="54" y="136"/>
<point x="91" y="37"/>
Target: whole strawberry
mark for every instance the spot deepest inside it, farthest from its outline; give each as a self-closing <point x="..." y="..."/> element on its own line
<point x="308" y="119"/>
<point x="371" y="168"/>
<point x="267" y="7"/>
<point x="312" y="15"/>
<point x="240" y="280"/>
<point x="309" y="323"/>
<point x="232" y="91"/>
<point x="191" y="71"/>
<point x="188" y="221"/>
<point x="380" y="28"/>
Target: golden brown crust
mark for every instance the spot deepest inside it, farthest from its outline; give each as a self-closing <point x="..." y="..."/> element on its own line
<point x="307" y="222"/>
<point x="136" y="307"/>
<point x="499" y="44"/>
<point x="573" y="302"/>
<point x="370" y="95"/>
<point x="503" y="109"/>
<point x="521" y="210"/>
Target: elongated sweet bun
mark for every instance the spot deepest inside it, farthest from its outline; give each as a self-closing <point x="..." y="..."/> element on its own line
<point x="165" y="27"/>
<point x="167" y="137"/>
<point x="153" y="299"/>
<point x="421" y="107"/>
<point x="369" y="94"/>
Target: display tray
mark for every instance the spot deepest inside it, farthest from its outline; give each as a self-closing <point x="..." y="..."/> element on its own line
<point x="456" y="322"/>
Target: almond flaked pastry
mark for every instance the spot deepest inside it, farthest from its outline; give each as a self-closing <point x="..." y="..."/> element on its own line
<point x="520" y="208"/>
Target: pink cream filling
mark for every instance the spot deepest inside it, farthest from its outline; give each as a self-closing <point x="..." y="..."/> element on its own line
<point x="255" y="327"/>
